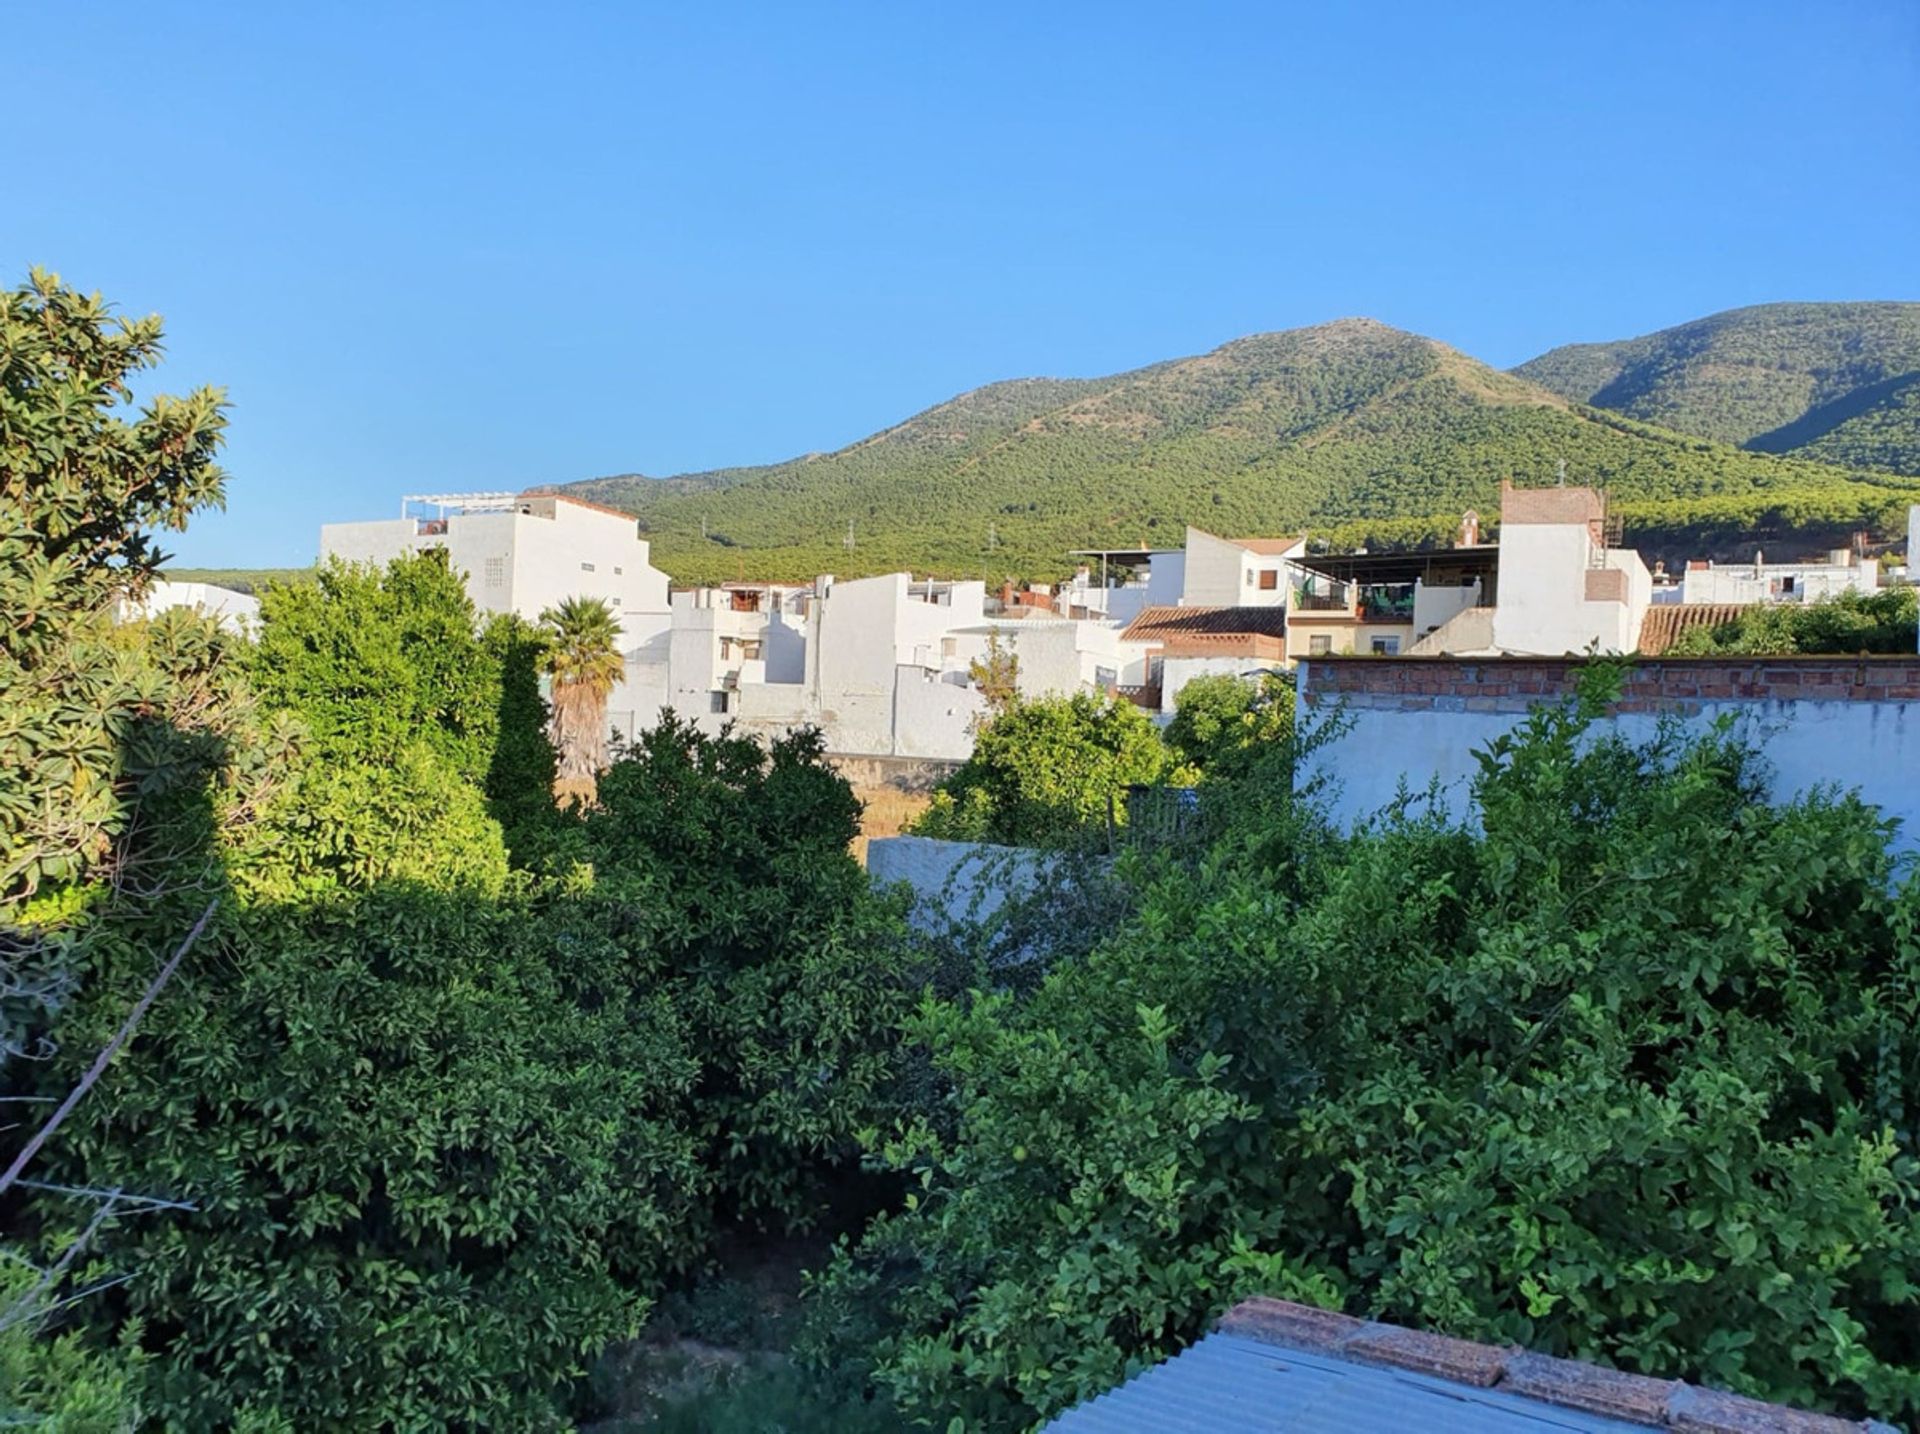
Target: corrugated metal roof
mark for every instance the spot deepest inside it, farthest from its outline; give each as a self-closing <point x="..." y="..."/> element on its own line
<point x="1228" y="1384"/>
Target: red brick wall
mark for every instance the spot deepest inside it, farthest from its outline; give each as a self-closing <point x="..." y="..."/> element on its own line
<point x="1513" y="684"/>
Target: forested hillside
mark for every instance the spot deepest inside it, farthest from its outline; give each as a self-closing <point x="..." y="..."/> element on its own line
<point x="1356" y="430"/>
<point x="1836" y="382"/>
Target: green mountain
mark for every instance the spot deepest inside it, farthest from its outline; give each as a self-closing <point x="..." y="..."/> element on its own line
<point x="1352" y="429"/>
<point x="1835" y="382"/>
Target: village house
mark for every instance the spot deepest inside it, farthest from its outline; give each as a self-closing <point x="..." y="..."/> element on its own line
<point x="521" y="552"/>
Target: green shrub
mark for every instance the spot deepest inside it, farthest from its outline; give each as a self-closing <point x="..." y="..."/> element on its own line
<point x="435" y="1148"/>
<point x="1046" y="771"/>
<point x="1624" y="1072"/>
<point x="729" y="861"/>
<point x="1221" y="723"/>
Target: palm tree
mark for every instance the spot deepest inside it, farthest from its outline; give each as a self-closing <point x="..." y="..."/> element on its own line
<point x="583" y="658"/>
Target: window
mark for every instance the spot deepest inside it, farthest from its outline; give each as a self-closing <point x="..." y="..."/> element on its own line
<point x="1386" y="647"/>
<point x="1269" y="579"/>
<point x="619" y="572"/>
<point x="586" y="567"/>
<point x="1319" y="645"/>
<point x="949" y="647"/>
<point x="1249" y="577"/>
<point x="719" y="700"/>
<point x="496" y="572"/>
<point x="1106" y="677"/>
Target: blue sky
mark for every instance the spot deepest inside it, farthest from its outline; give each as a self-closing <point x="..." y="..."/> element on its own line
<point x="432" y="247"/>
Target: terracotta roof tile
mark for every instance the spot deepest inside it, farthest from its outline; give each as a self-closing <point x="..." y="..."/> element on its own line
<point x="1664" y="622"/>
<point x="1158" y="623"/>
<point x="1269" y="547"/>
<point x="1590" y="1387"/>
<point x="1569" y="1384"/>
<point x="1442" y="1356"/>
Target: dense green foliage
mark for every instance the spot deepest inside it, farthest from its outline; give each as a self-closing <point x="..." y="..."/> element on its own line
<point x="82" y="484"/>
<point x="1626" y="1072"/>
<point x="1349" y="429"/>
<point x="729" y="860"/>
<point x="427" y="1101"/>
<point x="459" y="1120"/>
<point x="1046" y="770"/>
<point x="1883" y="622"/>
<point x="1222" y="724"/>
<point x="1835" y="382"/>
<point x="84" y="714"/>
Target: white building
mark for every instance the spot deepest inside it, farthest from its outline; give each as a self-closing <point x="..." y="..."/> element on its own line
<point x="237" y="612"/>
<point x="1764" y="582"/>
<point x="881" y="665"/>
<point x="1238" y="572"/>
<point x="522" y="552"/>
<point x="1560" y="588"/>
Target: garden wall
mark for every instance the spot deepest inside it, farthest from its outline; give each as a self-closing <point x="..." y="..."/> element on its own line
<point x="1850" y="722"/>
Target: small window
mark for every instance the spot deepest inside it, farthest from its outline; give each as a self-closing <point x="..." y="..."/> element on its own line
<point x="719" y="702"/>
<point x="1269" y="579"/>
<point x="586" y="567"/>
<point x="1319" y="645"/>
<point x="1386" y="647"/>
<point x="1249" y="577"/>
<point x="949" y="647"/>
<point x="619" y="572"/>
<point x="1105" y="677"/>
<point x="496" y="572"/>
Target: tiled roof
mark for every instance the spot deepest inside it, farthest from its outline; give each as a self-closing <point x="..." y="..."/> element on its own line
<point x="1269" y="547"/>
<point x="1156" y="624"/>
<point x="1664" y="622"/>
<point x="1340" y="1373"/>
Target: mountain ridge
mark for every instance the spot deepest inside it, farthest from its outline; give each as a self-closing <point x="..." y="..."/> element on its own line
<point x="1351" y="428"/>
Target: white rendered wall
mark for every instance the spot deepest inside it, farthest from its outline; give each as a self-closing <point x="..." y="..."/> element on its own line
<point x="1167" y="578"/>
<point x="237" y="612"/>
<point x="1433" y="606"/>
<point x="1177" y="672"/>
<point x="523" y="562"/>
<point x="1215" y="570"/>
<point x="1542" y="607"/>
<point x="1812" y="582"/>
<point x="1807" y="744"/>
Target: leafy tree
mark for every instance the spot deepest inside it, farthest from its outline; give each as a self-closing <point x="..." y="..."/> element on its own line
<point x="1220" y="722"/>
<point x="583" y="658"/>
<point x="438" y="1133"/>
<point x="997" y="674"/>
<point x="730" y="860"/>
<point x="375" y="659"/>
<point x="82" y="485"/>
<point x="1623" y="1071"/>
<point x="1044" y="771"/>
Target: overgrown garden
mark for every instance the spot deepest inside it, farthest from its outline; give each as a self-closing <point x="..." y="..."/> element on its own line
<point x="456" y="1087"/>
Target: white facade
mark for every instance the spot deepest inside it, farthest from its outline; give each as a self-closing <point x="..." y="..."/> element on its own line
<point x="237" y="612"/>
<point x="1808" y="745"/>
<point x="881" y="665"/>
<point x="1560" y="589"/>
<point x="1764" y="582"/>
<point x="525" y="554"/>
<point x="1229" y="572"/>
